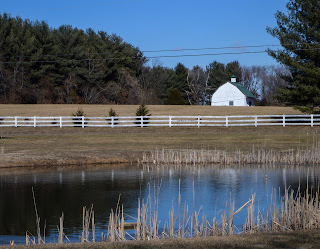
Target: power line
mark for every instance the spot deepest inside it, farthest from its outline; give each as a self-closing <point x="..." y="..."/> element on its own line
<point x="148" y="57"/>
<point x="133" y="57"/>
<point x="195" y="55"/>
<point x="151" y="51"/>
<point x="214" y="48"/>
<point x="159" y="51"/>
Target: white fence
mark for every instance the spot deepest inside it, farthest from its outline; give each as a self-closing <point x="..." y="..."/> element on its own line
<point x="169" y="121"/>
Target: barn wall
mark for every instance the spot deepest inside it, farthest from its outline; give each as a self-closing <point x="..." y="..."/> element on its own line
<point x="227" y="93"/>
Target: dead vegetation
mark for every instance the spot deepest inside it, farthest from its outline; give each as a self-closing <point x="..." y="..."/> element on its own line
<point x="296" y="211"/>
<point x="309" y="156"/>
<point x="28" y="146"/>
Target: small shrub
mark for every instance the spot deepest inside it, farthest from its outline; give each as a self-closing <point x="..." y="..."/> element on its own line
<point x="112" y="113"/>
<point x="79" y="113"/>
<point x="143" y="111"/>
<point x="78" y="121"/>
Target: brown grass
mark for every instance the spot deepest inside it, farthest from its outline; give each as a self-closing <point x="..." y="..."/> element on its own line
<point x="305" y="156"/>
<point x="73" y="146"/>
<point x="300" y="239"/>
<point x="130" y="110"/>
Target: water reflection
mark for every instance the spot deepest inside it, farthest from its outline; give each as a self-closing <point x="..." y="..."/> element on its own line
<point x="68" y="190"/>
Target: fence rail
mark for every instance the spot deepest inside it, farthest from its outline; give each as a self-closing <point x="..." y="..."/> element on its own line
<point x="158" y="121"/>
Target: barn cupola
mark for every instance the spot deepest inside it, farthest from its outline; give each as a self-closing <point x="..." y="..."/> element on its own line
<point x="233" y="79"/>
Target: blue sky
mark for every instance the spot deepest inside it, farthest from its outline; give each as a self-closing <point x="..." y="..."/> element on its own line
<point x="167" y="24"/>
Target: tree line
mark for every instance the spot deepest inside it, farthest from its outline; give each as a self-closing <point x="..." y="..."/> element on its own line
<point x="39" y="64"/>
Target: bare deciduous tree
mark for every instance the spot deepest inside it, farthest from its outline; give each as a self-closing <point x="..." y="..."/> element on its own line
<point x="264" y="81"/>
<point x="197" y="80"/>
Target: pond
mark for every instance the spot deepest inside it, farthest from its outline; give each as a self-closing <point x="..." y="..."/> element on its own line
<point x="205" y="189"/>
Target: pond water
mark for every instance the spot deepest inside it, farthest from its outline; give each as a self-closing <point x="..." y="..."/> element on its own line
<point x="68" y="190"/>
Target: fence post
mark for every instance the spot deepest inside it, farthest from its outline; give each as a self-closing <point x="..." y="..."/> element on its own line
<point x="284" y="120"/>
<point x="311" y="120"/>
<point x="60" y="122"/>
<point x="82" y="121"/>
<point x="112" y="122"/>
<point x="141" y="122"/>
<point x="255" y="121"/>
<point x="15" y="121"/>
<point x="34" y="121"/>
<point x="199" y="121"/>
<point x="170" y="121"/>
<point x="227" y="121"/>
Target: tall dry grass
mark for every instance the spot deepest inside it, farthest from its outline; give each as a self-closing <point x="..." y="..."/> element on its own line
<point x="300" y="156"/>
<point x="297" y="211"/>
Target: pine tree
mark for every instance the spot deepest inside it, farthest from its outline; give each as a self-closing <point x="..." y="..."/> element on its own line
<point x="299" y="35"/>
<point x="142" y="111"/>
<point x="175" y="98"/>
<point x="220" y="73"/>
<point x="180" y="80"/>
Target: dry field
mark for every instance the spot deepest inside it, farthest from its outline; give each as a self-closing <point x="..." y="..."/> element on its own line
<point x="28" y="146"/>
<point x="41" y="146"/>
<point x="130" y="110"/>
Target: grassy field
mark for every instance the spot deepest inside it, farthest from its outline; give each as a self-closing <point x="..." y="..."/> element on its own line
<point x="28" y="146"/>
<point x="66" y="146"/>
<point x="130" y="110"/>
<point x="300" y="239"/>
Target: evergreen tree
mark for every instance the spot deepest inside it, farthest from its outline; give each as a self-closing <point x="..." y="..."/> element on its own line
<point x="299" y="34"/>
<point x="217" y="75"/>
<point x="179" y="80"/>
<point x="220" y="73"/>
<point x="142" y="111"/>
<point x="155" y="81"/>
<point x="65" y="65"/>
<point x="175" y="98"/>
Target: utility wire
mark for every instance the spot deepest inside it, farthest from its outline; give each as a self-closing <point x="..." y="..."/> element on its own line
<point x="151" y="51"/>
<point x="133" y="57"/>
<point x="215" y="48"/>
<point x="147" y="57"/>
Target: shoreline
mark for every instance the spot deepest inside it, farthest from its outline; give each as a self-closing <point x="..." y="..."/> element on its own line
<point x="52" y="147"/>
<point x="54" y="163"/>
<point x="271" y="240"/>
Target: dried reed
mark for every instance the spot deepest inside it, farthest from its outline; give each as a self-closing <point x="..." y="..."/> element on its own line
<point x="309" y="156"/>
<point x="116" y="229"/>
<point x="296" y="211"/>
<point x="87" y="217"/>
<point x="61" y="229"/>
<point x="37" y="219"/>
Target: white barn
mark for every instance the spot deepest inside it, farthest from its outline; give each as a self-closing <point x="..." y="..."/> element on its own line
<point x="232" y="94"/>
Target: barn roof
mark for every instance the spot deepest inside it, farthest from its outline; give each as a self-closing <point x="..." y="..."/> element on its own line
<point x="244" y="90"/>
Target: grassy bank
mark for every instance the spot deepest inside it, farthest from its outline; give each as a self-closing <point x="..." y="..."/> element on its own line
<point x="71" y="146"/>
<point x="299" y="239"/>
